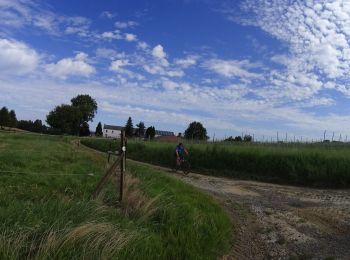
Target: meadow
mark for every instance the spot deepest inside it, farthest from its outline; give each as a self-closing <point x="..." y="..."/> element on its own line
<point x="317" y="164"/>
<point x="46" y="210"/>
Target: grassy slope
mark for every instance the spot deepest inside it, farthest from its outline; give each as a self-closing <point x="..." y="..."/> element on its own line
<point x="316" y="165"/>
<point x="40" y="210"/>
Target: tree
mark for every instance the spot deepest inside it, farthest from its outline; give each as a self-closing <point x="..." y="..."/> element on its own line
<point x="70" y="119"/>
<point x="140" y="132"/>
<point x="87" y="106"/>
<point x="66" y="118"/>
<point x="36" y="126"/>
<point x="150" y="132"/>
<point x="84" y="129"/>
<point x="99" y="129"/>
<point x="238" y="139"/>
<point x="129" y="128"/>
<point x="12" y="119"/>
<point x="4" y="117"/>
<point x="247" y="138"/>
<point x="196" y="131"/>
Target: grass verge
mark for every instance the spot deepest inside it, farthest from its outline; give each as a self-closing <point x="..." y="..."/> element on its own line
<point x="46" y="211"/>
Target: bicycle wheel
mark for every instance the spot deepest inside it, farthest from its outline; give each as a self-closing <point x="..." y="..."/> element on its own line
<point x="185" y="167"/>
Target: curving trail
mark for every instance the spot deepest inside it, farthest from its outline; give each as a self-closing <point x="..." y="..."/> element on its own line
<point x="279" y="222"/>
<point x="274" y="221"/>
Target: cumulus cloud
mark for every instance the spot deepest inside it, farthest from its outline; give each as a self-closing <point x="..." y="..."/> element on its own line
<point x="76" y="66"/>
<point x="115" y="35"/>
<point x="17" y="57"/>
<point x="158" y="52"/>
<point x="130" y="37"/>
<point x="125" y="25"/>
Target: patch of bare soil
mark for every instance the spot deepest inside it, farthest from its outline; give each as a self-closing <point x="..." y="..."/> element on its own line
<point x="281" y="222"/>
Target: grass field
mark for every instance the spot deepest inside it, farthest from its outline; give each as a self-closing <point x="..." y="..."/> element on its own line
<point x="46" y="211"/>
<point x="326" y="165"/>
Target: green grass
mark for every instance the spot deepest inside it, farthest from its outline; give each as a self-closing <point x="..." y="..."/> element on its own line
<point x="46" y="211"/>
<point x="326" y="165"/>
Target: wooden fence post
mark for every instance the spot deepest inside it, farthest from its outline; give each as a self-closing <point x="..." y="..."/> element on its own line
<point x="122" y="163"/>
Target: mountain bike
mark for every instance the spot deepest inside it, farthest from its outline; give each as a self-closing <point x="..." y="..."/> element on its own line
<point x="184" y="165"/>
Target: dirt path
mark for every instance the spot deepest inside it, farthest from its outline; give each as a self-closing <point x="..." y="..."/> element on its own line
<point x="274" y="221"/>
<point x="281" y="222"/>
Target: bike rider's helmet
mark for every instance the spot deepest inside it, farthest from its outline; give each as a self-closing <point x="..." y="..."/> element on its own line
<point x="180" y="144"/>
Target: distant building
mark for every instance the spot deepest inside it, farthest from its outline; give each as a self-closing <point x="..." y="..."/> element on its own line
<point x="112" y="131"/>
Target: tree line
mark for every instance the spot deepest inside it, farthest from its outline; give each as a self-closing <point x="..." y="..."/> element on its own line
<point x="74" y="118"/>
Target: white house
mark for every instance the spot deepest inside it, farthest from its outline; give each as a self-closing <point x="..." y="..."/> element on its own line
<point x="112" y="131"/>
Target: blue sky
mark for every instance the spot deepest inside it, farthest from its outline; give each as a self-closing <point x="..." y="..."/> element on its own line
<point x="257" y="67"/>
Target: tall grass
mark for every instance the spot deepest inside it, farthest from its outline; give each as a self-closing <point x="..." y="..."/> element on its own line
<point x="46" y="211"/>
<point x="325" y="165"/>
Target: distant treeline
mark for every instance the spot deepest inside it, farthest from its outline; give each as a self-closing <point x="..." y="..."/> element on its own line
<point x="64" y="119"/>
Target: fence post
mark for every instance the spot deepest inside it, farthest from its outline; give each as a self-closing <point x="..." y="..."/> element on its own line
<point x="122" y="163"/>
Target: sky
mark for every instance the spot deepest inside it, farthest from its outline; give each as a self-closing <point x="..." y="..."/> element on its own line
<point x="255" y="67"/>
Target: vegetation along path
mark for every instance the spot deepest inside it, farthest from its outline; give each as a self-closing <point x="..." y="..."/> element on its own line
<point x="275" y="221"/>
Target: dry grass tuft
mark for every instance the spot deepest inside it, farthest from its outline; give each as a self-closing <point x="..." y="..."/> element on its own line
<point x="101" y="240"/>
<point x="135" y="202"/>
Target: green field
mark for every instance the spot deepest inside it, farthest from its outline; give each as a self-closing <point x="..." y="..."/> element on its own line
<point x="326" y="165"/>
<point x="46" y="211"/>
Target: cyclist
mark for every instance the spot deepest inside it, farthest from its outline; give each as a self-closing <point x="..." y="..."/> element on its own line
<point x="180" y="150"/>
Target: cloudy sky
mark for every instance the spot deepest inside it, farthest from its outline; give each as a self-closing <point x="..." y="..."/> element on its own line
<point x="236" y="66"/>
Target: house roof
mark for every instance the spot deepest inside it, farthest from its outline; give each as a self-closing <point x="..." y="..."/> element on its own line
<point x="164" y="133"/>
<point x="113" y="127"/>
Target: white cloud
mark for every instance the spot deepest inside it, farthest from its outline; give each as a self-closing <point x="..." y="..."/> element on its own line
<point x="316" y="32"/>
<point x="76" y="66"/>
<point x="17" y="57"/>
<point x="125" y="25"/>
<point x="20" y="13"/>
<point x="107" y="14"/>
<point x="130" y="37"/>
<point x="232" y="68"/>
<point x="187" y="62"/>
<point x="106" y="53"/>
<point x="118" y="64"/>
<point x="159" y="52"/>
<point x="112" y="35"/>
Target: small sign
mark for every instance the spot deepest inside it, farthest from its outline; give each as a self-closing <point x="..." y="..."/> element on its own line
<point x="123" y="148"/>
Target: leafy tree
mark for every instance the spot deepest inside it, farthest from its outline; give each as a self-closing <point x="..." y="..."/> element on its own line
<point x="87" y="106"/>
<point x="84" y="129"/>
<point x="150" y="132"/>
<point x="238" y="139"/>
<point x="4" y="117"/>
<point x="70" y="119"/>
<point x="247" y="138"/>
<point x="196" y="131"/>
<point x="36" y="126"/>
<point x="12" y="118"/>
<point x="129" y="128"/>
<point x="66" y="118"/>
<point x="140" y="129"/>
<point x="230" y="139"/>
<point x="99" y="129"/>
